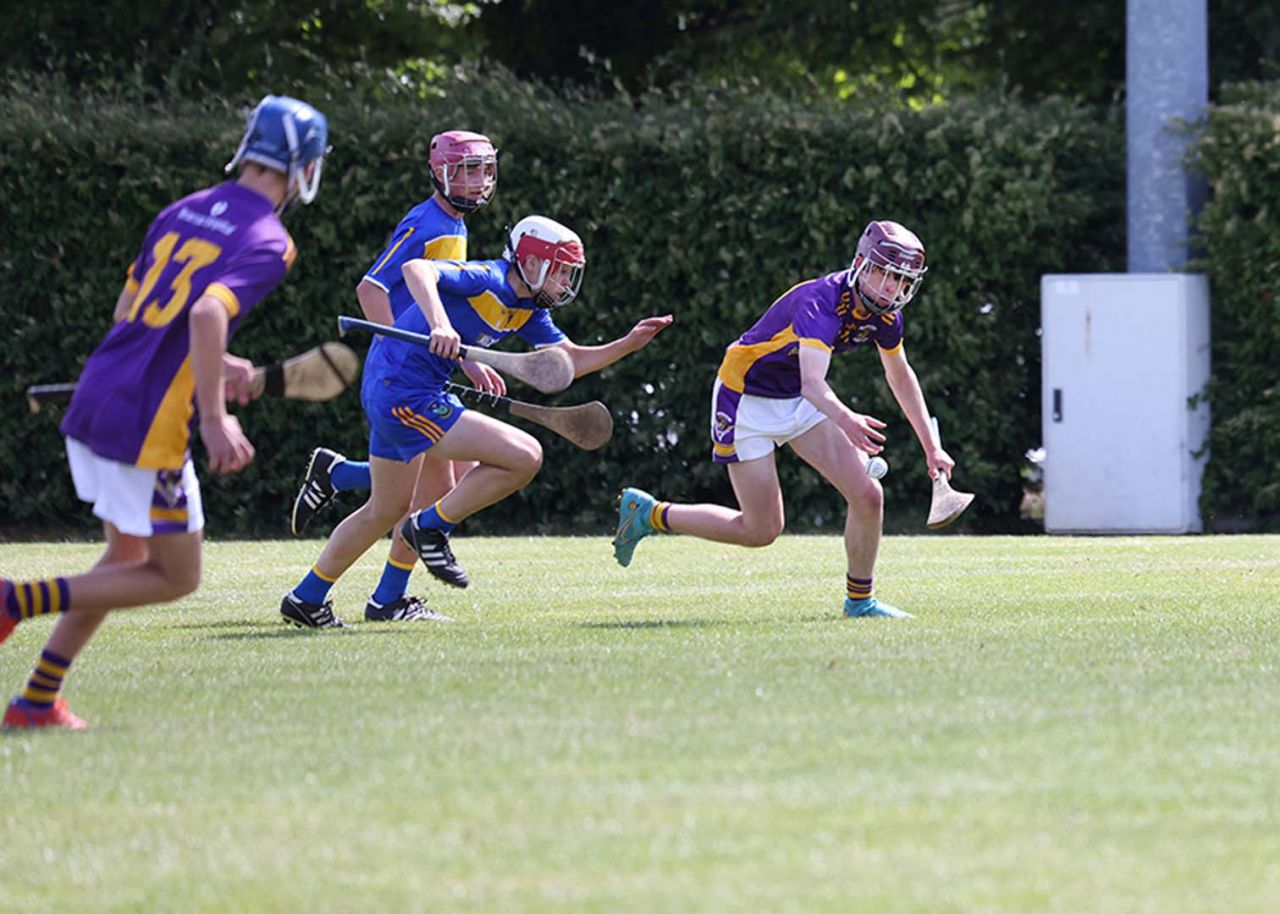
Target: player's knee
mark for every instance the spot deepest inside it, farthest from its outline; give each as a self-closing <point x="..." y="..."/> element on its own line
<point x="868" y="498"/>
<point x="528" y="460"/>
<point x="181" y="581"/>
<point x="764" y="532"/>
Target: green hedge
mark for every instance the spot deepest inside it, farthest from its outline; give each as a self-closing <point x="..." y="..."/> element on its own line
<point x="1239" y="152"/>
<point x="706" y="202"/>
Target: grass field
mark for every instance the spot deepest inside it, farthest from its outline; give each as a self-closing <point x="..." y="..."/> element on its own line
<point x="1070" y="725"/>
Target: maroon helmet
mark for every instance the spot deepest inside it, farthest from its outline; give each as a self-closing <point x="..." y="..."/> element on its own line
<point x="464" y="168"/>
<point x="897" y="257"/>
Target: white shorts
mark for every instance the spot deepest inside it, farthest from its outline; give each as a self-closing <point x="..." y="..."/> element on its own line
<point x="138" y="502"/>
<point x="744" y="427"/>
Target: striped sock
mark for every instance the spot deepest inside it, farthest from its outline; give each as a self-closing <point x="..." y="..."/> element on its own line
<point x="394" y="582"/>
<point x="314" y="587"/>
<point x="37" y="598"/>
<point x="433" y="519"/>
<point x="351" y="474"/>
<point x="658" y="516"/>
<point x="46" y="681"/>
<point x="858" y="588"/>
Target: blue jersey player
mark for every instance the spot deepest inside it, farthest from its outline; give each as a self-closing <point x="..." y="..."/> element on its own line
<point x="206" y="262"/>
<point x="474" y="303"/>
<point x="772" y="389"/>
<point x="464" y="171"/>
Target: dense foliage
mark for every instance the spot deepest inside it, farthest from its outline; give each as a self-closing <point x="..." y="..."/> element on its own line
<point x="1239" y="152"/>
<point x="706" y="202"/>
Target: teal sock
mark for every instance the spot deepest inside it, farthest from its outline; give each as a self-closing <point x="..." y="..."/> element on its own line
<point x="313" y="589"/>
<point x="430" y="519"/>
<point x="395" y="581"/>
<point x="351" y="474"/>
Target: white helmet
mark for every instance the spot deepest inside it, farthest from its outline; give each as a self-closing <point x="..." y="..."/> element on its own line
<point x="556" y="246"/>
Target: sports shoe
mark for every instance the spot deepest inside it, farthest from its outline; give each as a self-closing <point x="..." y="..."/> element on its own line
<point x="7" y="622"/>
<point x="403" y="609"/>
<point x="317" y="488"/>
<point x="633" y="523"/>
<point x="871" y="608"/>
<point x="20" y="716"/>
<point x="432" y="547"/>
<point x="309" y="615"/>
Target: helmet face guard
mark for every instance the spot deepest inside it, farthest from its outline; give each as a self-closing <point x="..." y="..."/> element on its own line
<point x="286" y="135"/>
<point x="887" y="268"/>
<point x="563" y="259"/>
<point x="464" y="169"/>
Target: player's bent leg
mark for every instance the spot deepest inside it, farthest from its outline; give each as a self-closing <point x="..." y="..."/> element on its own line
<point x="435" y="480"/>
<point x="388" y="499"/>
<point x="828" y="451"/>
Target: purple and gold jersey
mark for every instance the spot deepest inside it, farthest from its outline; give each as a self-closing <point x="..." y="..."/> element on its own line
<point x="483" y="309"/>
<point x="426" y="232"/>
<point x="135" y="400"/>
<point x="765" y="361"/>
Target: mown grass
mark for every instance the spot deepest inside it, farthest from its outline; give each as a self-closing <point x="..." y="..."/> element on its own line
<point x="1068" y="725"/>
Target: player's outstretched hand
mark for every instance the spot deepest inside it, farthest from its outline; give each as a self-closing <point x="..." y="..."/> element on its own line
<point x="237" y="379"/>
<point x="864" y="432"/>
<point x="484" y="378"/>
<point x="228" y="448"/>
<point x="644" y="331"/>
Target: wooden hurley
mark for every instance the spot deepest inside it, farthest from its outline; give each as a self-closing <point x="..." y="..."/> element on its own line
<point x="317" y="375"/>
<point x="947" y="504"/>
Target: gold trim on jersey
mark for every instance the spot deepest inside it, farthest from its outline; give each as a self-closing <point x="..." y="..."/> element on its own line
<point x="224" y="295"/>
<point x="497" y="315"/>
<point x="383" y="262"/>
<point x="739" y="359"/>
<point x="165" y="447"/>
<point x="445" y="247"/>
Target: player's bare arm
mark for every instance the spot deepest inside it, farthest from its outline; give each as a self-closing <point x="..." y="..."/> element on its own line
<point x="587" y="359"/>
<point x="862" y="431"/>
<point x="906" y="390"/>
<point x="421" y="278"/>
<point x="374" y="302"/>
<point x="229" y="449"/>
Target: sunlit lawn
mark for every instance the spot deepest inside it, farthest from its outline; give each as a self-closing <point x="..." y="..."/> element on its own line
<point x="1072" y="725"/>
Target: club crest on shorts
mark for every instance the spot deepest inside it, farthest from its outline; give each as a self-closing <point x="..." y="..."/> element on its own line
<point x="441" y="410"/>
<point x="169" y="492"/>
<point x="723" y="429"/>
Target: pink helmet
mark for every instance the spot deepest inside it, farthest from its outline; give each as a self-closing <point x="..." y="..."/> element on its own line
<point x="455" y="154"/>
<point x="898" y="255"/>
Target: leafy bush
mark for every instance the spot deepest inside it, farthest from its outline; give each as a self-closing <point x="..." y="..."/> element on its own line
<point x="705" y="201"/>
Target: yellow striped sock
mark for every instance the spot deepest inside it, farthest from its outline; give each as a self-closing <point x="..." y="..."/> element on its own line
<point x="46" y="680"/>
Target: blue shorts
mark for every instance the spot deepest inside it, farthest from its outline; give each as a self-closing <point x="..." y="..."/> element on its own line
<point x="403" y="424"/>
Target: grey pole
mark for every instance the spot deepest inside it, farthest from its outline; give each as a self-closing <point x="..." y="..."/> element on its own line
<point x="1167" y="75"/>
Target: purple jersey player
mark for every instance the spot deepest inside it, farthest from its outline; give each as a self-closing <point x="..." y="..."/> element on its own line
<point x="772" y="389"/>
<point x="205" y="262"/>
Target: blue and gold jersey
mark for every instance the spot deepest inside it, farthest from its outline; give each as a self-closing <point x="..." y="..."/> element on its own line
<point x="483" y="309"/>
<point x="765" y="361"/>
<point x="426" y="232"/>
<point x="135" y="401"/>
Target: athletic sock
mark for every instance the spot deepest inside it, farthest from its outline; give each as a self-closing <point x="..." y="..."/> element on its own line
<point x="432" y="519"/>
<point x="858" y="588"/>
<point x="394" y="582"/>
<point x="658" y="516"/>
<point x="37" y="598"/>
<point x="314" y="587"/>
<point x="45" y="682"/>
<point x="351" y="474"/>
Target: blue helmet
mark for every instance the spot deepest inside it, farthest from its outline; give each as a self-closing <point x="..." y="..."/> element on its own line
<point x="286" y="135"/>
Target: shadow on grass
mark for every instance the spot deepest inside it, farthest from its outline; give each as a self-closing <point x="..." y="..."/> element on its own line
<point x="661" y="623"/>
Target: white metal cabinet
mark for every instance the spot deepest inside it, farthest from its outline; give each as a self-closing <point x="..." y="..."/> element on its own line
<point x="1122" y="355"/>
